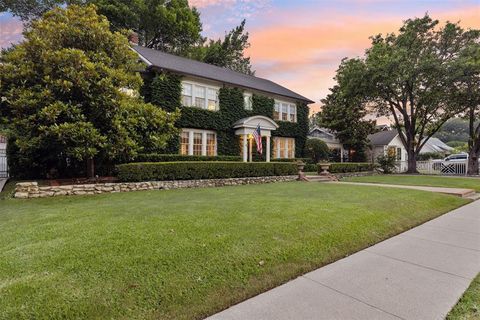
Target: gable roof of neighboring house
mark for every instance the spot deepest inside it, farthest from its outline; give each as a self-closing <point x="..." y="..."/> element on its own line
<point x="438" y="145"/>
<point x="165" y="61"/>
<point x="324" y="130"/>
<point x="382" y="138"/>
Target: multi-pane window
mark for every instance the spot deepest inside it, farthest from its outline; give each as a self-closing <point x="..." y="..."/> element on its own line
<point x="199" y="96"/>
<point x="187" y="94"/>
<point x="283" y="147"/>
<point x="285" y="111"/>
<point x="184" y="143"/>
<point x="248" y="101"/>
<point x="293" y="113"/>
<point x="290" y="148"/>
<point x="198" y="142"/>
<point x="211" y="141"/>
<point x="276" y="111"/>
<point x="212" y="99"/>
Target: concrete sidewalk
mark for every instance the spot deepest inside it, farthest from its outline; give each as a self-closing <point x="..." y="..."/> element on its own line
<point x="419" y="274"/>
<point x="459" y="192"/>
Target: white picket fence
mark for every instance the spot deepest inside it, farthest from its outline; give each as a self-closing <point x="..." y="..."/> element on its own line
<point x="441" y="168"/>
<point x="3" y="164"/>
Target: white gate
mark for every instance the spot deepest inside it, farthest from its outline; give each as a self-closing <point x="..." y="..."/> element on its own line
<point x="457" y="168"/>
<point x="3" y="164"/>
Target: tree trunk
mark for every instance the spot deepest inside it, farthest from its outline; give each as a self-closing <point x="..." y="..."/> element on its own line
<point x="412" y="156"/>
<point x="412" y="163"/>
<point x="472" y="163"/>
<point x="90" y="168"/>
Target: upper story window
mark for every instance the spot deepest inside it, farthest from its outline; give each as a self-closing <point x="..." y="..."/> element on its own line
<point x="285" y="111"/>
<point x="248" y="101"/>
<point x="199" y="96"/>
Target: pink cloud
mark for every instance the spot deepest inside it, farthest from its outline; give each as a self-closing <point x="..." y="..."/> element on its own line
<point x="207" y="3"/>
<point x="304" y="55"/>
<point x="10" y="32"/>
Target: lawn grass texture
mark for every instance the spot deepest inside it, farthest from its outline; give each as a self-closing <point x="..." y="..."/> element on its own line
<point x="187" y="254"/>
<point x="430" y="181"/>
<point x="468" y="308"/>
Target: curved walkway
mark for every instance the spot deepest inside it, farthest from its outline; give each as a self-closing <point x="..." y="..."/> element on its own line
<point x="419" y="274"/>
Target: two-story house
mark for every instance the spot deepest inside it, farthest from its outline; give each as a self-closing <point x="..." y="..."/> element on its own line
<point x="221" y="108"/>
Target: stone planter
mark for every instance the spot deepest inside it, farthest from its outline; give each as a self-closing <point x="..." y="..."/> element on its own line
<point x="301" y="175"/>
<point x="324" y="167"/>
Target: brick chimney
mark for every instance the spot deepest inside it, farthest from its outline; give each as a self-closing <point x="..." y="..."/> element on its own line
<point x="133" y="38"/>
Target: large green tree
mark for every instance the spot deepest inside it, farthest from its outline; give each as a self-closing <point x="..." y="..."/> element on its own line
<point x="343" y="110"/>
<point x="168" y="25"/>
<point x="229" y="52"/>
<point x="69" y="94"/>
<point x="467" y="95"/>
<point x="409" y="77"/>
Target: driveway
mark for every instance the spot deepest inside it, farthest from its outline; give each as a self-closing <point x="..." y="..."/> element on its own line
<point x="419" y="274"/>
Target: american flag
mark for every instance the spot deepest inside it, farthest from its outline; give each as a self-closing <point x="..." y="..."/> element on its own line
<point x="258" y="139"/>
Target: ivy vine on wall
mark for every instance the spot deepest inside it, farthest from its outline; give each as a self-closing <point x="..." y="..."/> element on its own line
<point x="164" y="90"/>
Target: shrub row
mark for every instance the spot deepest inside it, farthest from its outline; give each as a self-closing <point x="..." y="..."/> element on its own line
<point x="304" y="160"/>
<point x="155" y="157"/>
<point x="349" y="167"/>
<point x="157" y="171"/>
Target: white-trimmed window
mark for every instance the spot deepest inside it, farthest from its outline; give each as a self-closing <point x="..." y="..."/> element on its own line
<point x="276" y="111"/>
<point x="285" y="111"/>
<point x="247" y="101"/>
<point x="196" y="142"/>
<point x="283" y="147"/>
<point x="199" y="96"/>
<point x="187" y="94"/>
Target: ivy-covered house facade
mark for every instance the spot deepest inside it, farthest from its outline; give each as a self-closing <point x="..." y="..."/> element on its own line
<point x="221" y="108"/>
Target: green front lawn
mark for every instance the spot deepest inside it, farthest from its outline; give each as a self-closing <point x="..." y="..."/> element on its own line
<point x="187" y="253"/>
<point x="420" y="180"/>
<point x="468" y="308"/>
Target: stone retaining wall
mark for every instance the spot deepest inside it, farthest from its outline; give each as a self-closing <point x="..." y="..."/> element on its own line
<point x="341" y="175"/>
<point x="33" y="190"/>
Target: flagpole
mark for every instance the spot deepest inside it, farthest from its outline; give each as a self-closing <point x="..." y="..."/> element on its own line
<point x="250" y="142"/>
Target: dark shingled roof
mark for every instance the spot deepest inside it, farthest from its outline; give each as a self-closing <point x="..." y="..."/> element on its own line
<point x="162" y="60"/>
<point x="382" y="138"/>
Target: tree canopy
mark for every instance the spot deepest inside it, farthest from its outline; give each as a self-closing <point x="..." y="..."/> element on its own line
<point x="467" y="95"/>
<point x="410" y="77"/>
<point x="68" y="92"/>
<point x="343" y="110"/>
<point x="229" y="52"/>
<point x="167" y="25"/>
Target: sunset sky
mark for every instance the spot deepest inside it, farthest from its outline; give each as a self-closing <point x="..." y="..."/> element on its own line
<point x="299" y="44"/>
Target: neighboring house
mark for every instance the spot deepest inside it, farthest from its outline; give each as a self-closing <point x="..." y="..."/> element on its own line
<point x="221" y="108"/>
<point x="387" y="143"/>
<point x="435" y="145"/>
<point x="329" y="137"/>
<point x="382" y="127"/>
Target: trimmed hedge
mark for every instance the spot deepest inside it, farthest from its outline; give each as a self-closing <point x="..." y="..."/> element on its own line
<point x="304" y="160"/>
<point x="155" y="157"/>
<point x="349" y="167"/>
<point x="157" y="171"/>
